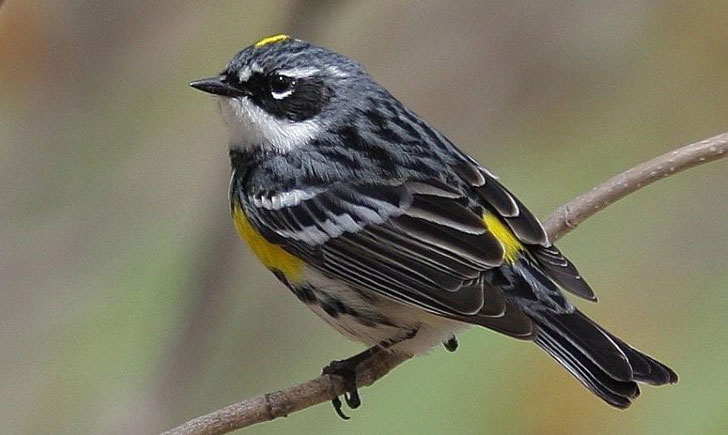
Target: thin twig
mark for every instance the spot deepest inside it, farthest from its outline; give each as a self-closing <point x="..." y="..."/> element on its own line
<point x="570" y="215"/>
<point x="269" y="406"/>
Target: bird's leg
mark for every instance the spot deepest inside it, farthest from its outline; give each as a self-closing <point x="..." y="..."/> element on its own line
<point x="451" y="345"/>
<point x="346" y="369"/>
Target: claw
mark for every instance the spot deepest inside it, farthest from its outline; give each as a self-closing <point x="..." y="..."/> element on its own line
<point x="352" y="399"/>
<point x="451" y="345"/>
<point x="337" y="407"/>
<point x="345" y="369"/>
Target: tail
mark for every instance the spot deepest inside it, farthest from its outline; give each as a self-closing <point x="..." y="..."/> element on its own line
<point x="606" y="365"/>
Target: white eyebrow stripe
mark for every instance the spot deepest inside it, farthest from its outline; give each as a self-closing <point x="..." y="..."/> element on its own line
<point x="300" y="73"/>
<point x="247" y="71"/>
<point x="244" y="74"/>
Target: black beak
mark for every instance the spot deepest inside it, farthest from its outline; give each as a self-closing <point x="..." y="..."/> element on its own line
<point x="218" y="86"/>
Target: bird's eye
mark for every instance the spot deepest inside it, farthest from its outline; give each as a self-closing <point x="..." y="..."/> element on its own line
<point x="280" y="84"/>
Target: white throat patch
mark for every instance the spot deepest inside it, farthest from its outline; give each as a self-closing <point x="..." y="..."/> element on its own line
<point x="249" y="125"/>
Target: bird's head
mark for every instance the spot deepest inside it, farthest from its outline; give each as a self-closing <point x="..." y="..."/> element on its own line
<point x="282" y="92"/>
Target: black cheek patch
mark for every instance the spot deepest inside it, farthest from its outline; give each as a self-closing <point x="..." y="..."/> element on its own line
<point x="307" y="100"/>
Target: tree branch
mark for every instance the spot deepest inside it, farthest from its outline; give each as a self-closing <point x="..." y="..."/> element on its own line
<point x="565" y="218"/>
<point x="570" y="215"/>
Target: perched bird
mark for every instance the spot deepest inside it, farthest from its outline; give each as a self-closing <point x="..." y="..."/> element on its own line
<point x="390" y="233"/>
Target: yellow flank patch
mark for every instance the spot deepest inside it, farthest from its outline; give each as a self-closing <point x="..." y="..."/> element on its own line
<point x="505" y="236"/>
<point x="271" y="40"/>
<point x="271" y="255"/>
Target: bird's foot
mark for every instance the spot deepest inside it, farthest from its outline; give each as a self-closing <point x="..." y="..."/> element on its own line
<point x="346" y="370"/>
<point x="451" y="345"/>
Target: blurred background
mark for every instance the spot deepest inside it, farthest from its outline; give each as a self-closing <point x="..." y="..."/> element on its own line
<point x="127" y="305"/>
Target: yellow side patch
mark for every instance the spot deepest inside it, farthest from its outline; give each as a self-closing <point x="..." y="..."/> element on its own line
<point x="272" y="256"/>
<point x="271" y="40"/>
<point x="505" y="236"/>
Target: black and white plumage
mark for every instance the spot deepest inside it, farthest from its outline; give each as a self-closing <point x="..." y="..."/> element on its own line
<point x="390" y="233"/>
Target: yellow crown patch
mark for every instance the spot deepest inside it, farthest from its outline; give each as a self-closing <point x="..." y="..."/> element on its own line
<point x="271" y="40"/>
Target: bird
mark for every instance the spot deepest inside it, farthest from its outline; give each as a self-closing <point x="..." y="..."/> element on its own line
<point x="389" y="232"/>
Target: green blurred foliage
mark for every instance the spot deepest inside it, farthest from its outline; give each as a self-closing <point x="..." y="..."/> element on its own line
<point x="128" y="306"/>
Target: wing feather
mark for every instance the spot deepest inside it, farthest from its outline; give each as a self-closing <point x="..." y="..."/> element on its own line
<point x="417" y="242"/>
<point x="525" y="226"/>
<point x="561" y="270"/>
<point x="484" y="250"/>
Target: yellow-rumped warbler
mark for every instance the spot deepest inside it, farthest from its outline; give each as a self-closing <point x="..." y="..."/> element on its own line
<point x="390" y="233"/>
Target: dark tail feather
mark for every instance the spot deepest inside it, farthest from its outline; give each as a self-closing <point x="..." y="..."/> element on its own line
<point x="605" y="364"/>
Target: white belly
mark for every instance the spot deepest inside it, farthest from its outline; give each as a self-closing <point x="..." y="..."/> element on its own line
<point x="376" y="320"/>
